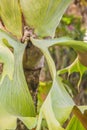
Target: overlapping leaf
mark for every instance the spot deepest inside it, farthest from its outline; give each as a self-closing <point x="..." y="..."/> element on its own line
<point x="58" y="103"/>
<point x="6" y="119"/>
<point x="7" y="59"/>
<point x="9" y="121"/>
<point x="43" y="89"/>
<point x="44" y="16"/>
<point x="11" y="16"/>
<point x="57" y="106"/>
<point x="75" y="124"/>
<point x="79" y="46"/>
<point x="14" y="94"/>
<point x="30" y="122"/>
<point x="76" y="66"/>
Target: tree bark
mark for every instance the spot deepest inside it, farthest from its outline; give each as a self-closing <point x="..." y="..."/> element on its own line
<point x="33" y="61"/>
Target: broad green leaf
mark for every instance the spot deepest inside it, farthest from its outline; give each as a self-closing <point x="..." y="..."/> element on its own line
<point x="47" y="113"/>
<point x="14" y="94"/>
<point x="7" y="59"/>
<point x="58" y="103"/>
<point x="44" y="16"/>
<point x="57" y="107"/>
<point x="61" y="101"/>
<point x="75" y="124"/>
<point x="30" y="122"/>
<point x="79" y="46"/>
<point x="58" y="100"/>
<point x="8" y="40"/>
<point x="7" y="121"/>
<point x="11" y="16"/>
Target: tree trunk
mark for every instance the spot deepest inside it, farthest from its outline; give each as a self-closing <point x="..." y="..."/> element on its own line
<point x="32" y="63"/>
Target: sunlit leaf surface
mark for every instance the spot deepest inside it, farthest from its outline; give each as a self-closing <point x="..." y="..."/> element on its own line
<point x="79" y="46"/>
<point x="15" y="98"/>
<point x="9" y="121"/>
<point x="11" y="16"/>
<point x="30" y="122"/>
<point x="58" y="104"/>
<point x="14" y="94"/>
<point x="44" y="16"/>
<point x="7" y="59"/>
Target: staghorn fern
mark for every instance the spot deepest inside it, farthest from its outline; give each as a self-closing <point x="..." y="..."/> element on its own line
<point x="42" y="18"/>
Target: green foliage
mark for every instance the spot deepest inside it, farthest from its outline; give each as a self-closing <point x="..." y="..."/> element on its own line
<point x="75" y="124"/>
<point x="6" y="57"/>
<point x="60" y="103"/>
<point x="6" y="119"/>
<point x="15" y="99"/>
<point x="44" y="16"/>
<point x="30" y="122"/>
<point x="14" y="91"/>
<point x="17" y="87"/>
<point x="11" y="16"/>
